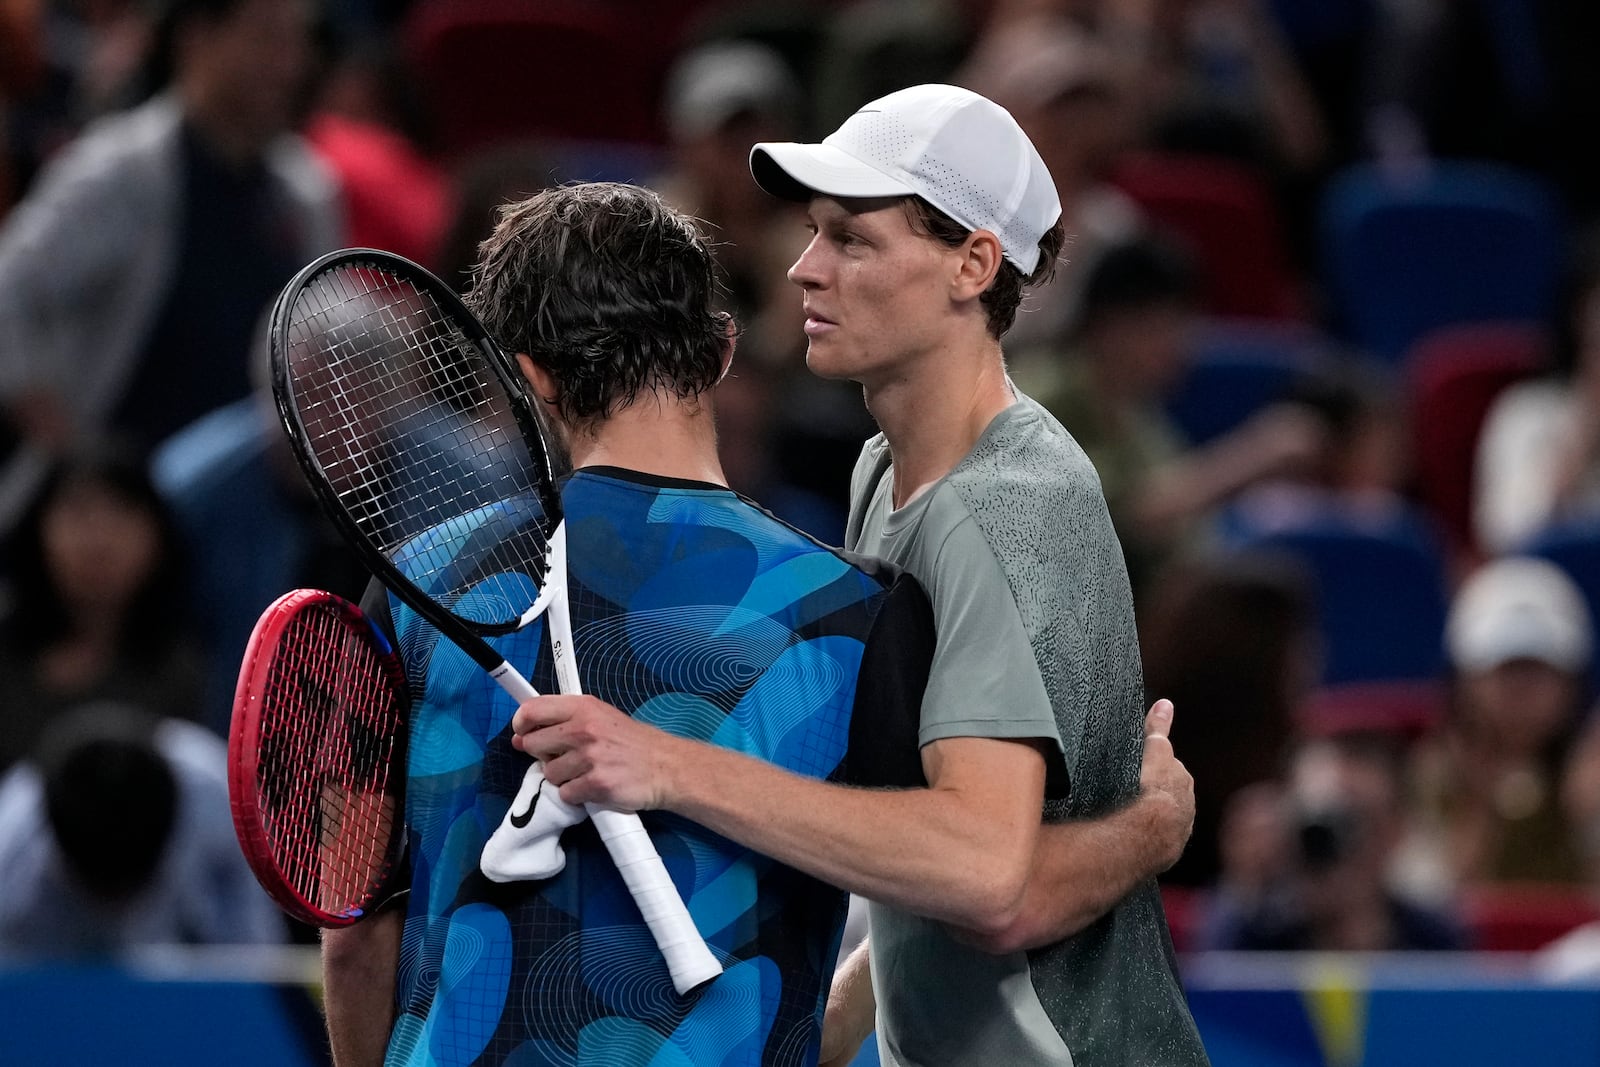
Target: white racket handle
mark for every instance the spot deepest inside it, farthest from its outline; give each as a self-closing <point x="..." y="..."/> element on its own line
<point x="689" y="960"/>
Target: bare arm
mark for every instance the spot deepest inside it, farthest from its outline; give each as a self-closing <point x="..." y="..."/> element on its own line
<point x="959" y="850"/>
<point x="852" y="1009"/>
<point x="358" y="982"/>
<point x="1273" y="442"/>
<point x="1083" y="868"/>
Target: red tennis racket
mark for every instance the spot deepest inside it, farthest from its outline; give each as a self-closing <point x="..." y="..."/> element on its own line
<point x="316" y="757"/>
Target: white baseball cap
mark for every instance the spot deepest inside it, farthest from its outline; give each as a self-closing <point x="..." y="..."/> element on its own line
<point x="716" y="81"/>
<point x="959" y="151"/>
<point x="1519" y="608"/>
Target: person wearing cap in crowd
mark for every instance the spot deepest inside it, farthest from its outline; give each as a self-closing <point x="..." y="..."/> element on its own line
<point x="1072" y="93"/>
<point x="1519" y="642"/>
<point x="115" y="833"/>
<point x="930" y="212"/>
<point x="720" y="97"/>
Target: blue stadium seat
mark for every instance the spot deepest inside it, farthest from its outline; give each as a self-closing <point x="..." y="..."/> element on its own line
<point x="1381" y="589"/>
<point x="1574" y="546"/>
<point x="1409" y="250"/>
<point x="1238" y="367"/>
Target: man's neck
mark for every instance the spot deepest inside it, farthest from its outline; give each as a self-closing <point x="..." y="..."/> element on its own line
<point x="234" y="143"/>
<point x="654" y="435"/>
<point x="933" y="415"/>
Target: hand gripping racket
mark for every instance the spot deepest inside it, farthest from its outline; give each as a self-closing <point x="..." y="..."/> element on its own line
<point x="413" y="429"/>
<point x="316" y="757"/>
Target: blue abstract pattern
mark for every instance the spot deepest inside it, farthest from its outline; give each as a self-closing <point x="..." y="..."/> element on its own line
<point x="703" y="615"/>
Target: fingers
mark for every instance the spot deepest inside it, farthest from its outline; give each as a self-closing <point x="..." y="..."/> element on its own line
<point x="1158" y="722"/>
<point x="545" y="711"/>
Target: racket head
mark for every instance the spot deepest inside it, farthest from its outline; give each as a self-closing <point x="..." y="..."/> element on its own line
<point x="317" y="757"/>
<point x="417" y="434"/>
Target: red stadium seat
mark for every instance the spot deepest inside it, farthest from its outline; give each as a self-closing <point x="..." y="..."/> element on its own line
<point x="1522" y="918"/>
<point x="1453" y="376"/>
<point x="567" y="70"/>
<point x="1224" y="212"/>
<point x="1184" y="907"/>
<point x="1404" y="707"/>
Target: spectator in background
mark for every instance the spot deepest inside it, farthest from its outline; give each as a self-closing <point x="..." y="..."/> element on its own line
<point x="1231" y="640"/>
<point x="722" y="97"/>
<point x="1344" y="820"/>
<point x="1070" y="92"/>
<point x="132" y="274"/>
<point x="116" y="833"/>
<point x="1135" y="324"/>
<point x="1539" y="452"/>
<point x="1520" y="644"/>
<point x="22" y="70"/>
<point x="746" y="411"/>
<point x="368" y="125"/>
<point x="1360" y="469"/>
<point x="250" y="527"/>
<point x="98" y="602"/>
<point x="1218" y="78"/>
<point x="483" y="184"/>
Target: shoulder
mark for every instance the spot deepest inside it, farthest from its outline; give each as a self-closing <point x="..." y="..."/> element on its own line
<point x="297" y="165"/>
<point x="198" y="757"/>
<point x="1530" y="403"/>
<point x="148" y="132"/>
<point x="207" y="454"/>
<point x="869" y="469"/>
<point x="1025" y="461"/>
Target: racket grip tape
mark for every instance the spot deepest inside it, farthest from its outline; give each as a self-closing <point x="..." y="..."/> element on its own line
<point x="689" y="961"/>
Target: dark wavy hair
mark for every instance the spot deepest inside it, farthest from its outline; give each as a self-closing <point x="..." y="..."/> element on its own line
<point x="157" y="615"/>
<point x="1004" y="294"/>
<point x="608" y="289"/>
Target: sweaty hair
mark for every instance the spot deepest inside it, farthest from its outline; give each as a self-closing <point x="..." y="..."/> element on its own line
<point x="1004" y="294"/>
<point x="608" y="289"/>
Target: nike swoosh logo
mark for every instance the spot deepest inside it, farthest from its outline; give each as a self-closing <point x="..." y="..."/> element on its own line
<point x="522" y="819"/>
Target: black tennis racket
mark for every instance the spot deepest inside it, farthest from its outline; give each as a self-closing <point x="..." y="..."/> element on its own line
<point x="316" y="757"/>
<point x="414" y="430"/>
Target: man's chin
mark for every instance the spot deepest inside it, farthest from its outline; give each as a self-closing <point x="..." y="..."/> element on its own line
<point x="821" y="365"/>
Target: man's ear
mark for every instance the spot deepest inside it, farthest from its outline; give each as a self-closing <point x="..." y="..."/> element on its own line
<point x="542" y="383"/>
<point x="731" y="334"/>
<point x="981" y="257"/>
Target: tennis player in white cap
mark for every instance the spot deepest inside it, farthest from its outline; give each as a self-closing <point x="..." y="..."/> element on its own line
<point x="931" y="212"/>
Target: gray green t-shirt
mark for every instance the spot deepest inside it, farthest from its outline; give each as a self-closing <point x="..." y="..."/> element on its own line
<point x="1035" y="639"/>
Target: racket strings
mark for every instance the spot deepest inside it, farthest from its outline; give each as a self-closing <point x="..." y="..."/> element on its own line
<point x="416" y="433"/>
<point x="330" y="783"/>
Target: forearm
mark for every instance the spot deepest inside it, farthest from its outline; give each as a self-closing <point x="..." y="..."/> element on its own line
<point x="358" y="982"/>
<point x="852" y="1009"/>
<point x="958" y="851"/>
<point x="1195" y="484"/>
<point x="1082" y="870"/>
<point x="1084" y="867"/>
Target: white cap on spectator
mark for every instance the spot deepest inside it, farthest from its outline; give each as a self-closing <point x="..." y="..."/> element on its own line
<point x="717" y="81"/>
<point x="959" y="151"/>
<point x="1519" y="608"/>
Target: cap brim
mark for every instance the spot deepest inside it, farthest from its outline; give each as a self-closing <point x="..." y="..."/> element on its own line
<point x="793" y="171"/>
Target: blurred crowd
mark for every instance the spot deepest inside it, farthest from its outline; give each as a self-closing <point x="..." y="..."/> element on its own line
<point x="1328" y="324"/>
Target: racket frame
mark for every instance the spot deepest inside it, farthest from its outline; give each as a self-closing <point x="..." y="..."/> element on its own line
<point x="244" y="755"/>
